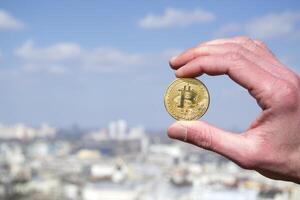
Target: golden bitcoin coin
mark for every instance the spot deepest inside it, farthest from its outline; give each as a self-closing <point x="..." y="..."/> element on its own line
<point x="186" y="99"/>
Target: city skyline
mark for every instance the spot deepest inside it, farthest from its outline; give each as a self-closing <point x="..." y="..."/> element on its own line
<point x="89" y="63"/>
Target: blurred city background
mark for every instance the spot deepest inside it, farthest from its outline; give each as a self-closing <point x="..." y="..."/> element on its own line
<point x="81" y="98"/>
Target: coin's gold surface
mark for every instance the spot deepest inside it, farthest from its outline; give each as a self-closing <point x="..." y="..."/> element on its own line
<point x="186" y="99"/>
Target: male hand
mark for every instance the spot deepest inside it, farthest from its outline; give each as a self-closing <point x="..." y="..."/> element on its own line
<point x="271" y="145"/>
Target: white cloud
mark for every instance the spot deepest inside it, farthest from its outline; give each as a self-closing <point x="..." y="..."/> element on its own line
<point x="109" y="58"/>
<point x="8" y="22"/>
<point x="176" y="18"/>
<point x="62" y="57"/>
<point x="57" y="52"/>
<point x="269" y="26"/>
<point x="65" y="57"/>
<point x="273" y="25"/>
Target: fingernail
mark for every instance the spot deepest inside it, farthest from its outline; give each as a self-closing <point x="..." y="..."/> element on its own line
<point x="178" y="131"/>
<point x="173" y="58"/>
<point x="171" y="62"/>
<point x="181" y="72"/>
<point x="178" y="73"/>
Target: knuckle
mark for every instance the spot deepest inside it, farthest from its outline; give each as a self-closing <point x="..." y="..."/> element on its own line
<point x="249" y="44"/>
<point x="290" y="94"/>
<point x="202" y="138"/>
<point x="287" y="95"/>
<point x="194" y="52"/>
<point x="236" y="54"/>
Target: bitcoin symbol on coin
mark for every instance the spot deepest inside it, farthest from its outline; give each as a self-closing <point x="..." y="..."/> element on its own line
<point x="186" y="99"/>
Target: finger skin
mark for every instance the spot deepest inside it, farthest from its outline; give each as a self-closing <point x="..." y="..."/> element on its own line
<point x="240" y="70"/>
<point x="244" y="42"/>
<point x="183" y="58"/>
<point x="271" y="145"/>
<point x="232" y="48"/>
<point x="252" y="45"/>
<point x="231" y="145"/>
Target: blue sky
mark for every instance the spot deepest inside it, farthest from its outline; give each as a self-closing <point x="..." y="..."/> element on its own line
<point x="90" y="62"/>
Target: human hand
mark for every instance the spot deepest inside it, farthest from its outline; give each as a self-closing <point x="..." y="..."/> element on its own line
<point x="271" y="145"/>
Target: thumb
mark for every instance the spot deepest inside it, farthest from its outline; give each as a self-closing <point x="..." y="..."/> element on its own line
<point x="233" y="146"/>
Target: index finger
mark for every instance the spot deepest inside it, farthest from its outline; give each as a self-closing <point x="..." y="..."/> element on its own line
<point x="256" y="80"/>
